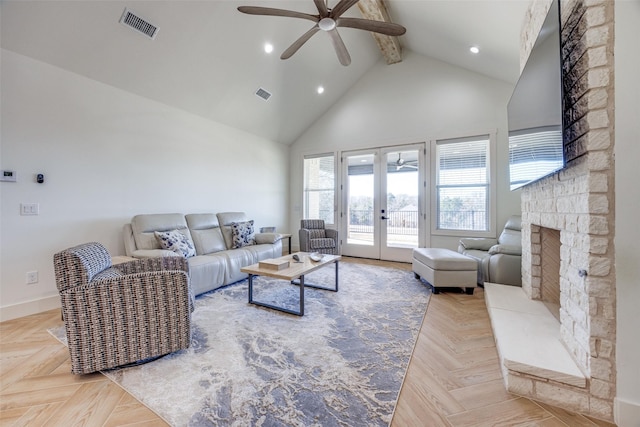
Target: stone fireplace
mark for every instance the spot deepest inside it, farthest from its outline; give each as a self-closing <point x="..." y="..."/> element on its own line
<point x="568" y="224"/>
<point x="549" y="268"/>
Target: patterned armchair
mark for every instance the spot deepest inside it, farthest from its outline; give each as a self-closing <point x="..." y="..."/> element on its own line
<point x="116" y="315"/>
<point x="315" y="238"/>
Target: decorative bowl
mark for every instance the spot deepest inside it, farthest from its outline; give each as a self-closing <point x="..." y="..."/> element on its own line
<point x="316" y="256"/>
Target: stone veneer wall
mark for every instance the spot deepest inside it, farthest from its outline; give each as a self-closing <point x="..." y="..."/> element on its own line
<point x="579" y="201"/>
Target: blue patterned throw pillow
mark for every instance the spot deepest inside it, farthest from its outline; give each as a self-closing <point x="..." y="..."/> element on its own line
<point x="242" y="234"/>
<point x="176" y="241"/>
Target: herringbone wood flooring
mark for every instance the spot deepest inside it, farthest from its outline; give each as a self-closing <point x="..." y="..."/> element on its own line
<point x="453" y="378"/>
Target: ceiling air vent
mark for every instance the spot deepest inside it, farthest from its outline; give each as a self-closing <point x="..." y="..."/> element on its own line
<point x="139" y="24"/>
<point x="263" y="94"/>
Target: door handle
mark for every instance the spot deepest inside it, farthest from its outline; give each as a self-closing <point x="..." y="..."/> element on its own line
<point x="383" y="217"/>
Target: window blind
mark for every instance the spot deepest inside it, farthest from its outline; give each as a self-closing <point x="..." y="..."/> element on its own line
<point x="462" y="184"/>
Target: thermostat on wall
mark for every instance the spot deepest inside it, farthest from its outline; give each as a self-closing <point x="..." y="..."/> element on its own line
<point x="9" y="176"/>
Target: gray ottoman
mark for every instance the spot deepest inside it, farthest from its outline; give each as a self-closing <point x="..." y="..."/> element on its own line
<point x="445" y="268"/>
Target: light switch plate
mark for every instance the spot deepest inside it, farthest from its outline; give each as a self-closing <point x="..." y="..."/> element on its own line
<point x="29" y="209"/>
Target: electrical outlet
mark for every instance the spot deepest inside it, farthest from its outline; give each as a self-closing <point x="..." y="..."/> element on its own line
<point x="32" y="277"/>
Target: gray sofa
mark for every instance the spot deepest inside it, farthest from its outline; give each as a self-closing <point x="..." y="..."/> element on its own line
<point x="215" y="263"/>
<point x="499" y="260"/>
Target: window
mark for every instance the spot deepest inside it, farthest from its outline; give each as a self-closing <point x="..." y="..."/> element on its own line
<point x="461" y="175"/>
<point x="319" y="188"/>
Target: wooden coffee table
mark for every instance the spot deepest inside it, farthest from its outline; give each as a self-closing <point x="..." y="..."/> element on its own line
<point x="294" y="274"/>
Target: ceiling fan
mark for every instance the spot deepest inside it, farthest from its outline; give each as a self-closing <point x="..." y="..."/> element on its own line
<point x="401" y="163"/>
<point x="328" y="20"/>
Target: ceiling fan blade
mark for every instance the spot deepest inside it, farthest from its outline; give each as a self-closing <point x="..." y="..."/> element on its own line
<point x="298" y="43"/>
<point x="341" y="8"/>
<point x="387" y="28"/>
<point x="341" y="49"/>
<point x="257" y="10"/>
<point x="322" y="8"/>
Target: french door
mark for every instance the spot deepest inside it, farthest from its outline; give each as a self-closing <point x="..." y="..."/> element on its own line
<point x="383" y="202"/>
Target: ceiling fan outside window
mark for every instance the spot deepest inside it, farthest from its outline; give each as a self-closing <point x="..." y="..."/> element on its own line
<point x="402" y="163"/>
<point x="328" y="20"/>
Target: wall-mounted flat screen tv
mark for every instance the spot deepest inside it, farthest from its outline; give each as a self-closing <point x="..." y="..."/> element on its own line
<point x="535" y="109"/>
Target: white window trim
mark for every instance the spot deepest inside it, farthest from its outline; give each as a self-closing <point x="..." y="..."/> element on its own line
<point x="335" y="184"/>
<point x="492" y="205"/>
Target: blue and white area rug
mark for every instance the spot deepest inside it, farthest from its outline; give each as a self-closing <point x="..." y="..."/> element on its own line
<point x="341" y="364"/>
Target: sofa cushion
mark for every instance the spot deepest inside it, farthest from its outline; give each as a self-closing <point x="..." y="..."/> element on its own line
<point x="207" y="272"/>
<point x="236" y="259"/>
<point x="242" y="234"/>
<point x="144" y="226"/>
<point x="510" y="237"/>
<point x="176" y="241"/>
<point x="206" y="233"/>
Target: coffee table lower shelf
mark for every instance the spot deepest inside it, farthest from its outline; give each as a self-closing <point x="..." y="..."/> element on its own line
<point x="294" y="279"/>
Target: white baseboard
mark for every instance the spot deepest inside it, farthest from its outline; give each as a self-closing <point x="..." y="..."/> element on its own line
<point x="626" y="414"/>
<point x="30" y="307"/>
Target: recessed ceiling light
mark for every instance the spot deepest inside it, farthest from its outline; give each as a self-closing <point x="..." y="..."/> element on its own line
<point x="268" y="47"/>
<point x="474" y="49"/>
<point x="320" y="90"/>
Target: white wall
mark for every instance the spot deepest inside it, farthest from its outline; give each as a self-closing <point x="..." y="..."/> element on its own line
<point x="627" y="149"/>
<point x="417" y="100"/>
<point x="107" y="155"/>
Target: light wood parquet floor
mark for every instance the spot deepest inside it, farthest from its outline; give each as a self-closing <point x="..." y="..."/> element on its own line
<point x="453" y="378"/>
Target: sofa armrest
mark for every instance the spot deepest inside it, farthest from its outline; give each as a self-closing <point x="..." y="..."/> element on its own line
<point x="153" y="253"/>
<point x="479" y="243"/>
<point x="505" y="249"/>
<point x="267" y="238"/>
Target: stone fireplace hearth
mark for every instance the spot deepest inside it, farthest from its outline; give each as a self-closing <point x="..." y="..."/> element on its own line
<point x="568" y="265"/>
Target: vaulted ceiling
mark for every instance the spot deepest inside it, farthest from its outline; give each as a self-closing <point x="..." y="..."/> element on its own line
<point x="207" y="58"/>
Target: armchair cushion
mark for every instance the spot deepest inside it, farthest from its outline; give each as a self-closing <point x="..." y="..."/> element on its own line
<point x="109" y="273"/>
<point x="317" y="244"/>
<point x="177" y="242"/>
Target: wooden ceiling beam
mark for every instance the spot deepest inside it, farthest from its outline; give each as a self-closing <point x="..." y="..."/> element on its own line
<point x="389" y="45"/>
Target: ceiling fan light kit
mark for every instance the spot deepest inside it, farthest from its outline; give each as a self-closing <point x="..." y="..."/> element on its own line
<point x="328" y="20"/>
